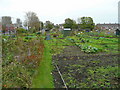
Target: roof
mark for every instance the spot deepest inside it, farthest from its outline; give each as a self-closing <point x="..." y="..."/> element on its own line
<point x="108" y="24"/>
<point x="67" y="29"/>
<point x="117" y="30"/>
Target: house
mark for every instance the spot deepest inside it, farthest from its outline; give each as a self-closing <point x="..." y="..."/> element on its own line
<point x="108" y="26"/>
<point x="10" y="28"/>
<point x="61" y="27"/>
<point x="7" y="25"/>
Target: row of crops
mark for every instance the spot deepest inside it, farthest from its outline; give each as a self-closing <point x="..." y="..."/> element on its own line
<point x="92" y="44"/>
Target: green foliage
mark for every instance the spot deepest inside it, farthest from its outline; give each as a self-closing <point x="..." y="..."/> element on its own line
<point x="97" y="76"/>
<point x="57" y="46"/>
<point x="49" y="25"/>
<point x="87" y="23"/>
<point x="41" y="25"/>
<point x="21" y="30"/>
<point x="16" y="75"/>
<point x="89" y="49"/>
<point x="104" y="81"/>
<point x="95" y="44"/>
<point x="69" y="23"/>
<point x="18" y="67"/>
<point x="29" y="37"/>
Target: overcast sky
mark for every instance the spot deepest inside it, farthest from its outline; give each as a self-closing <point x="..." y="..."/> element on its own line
<point x="58" y="10"/>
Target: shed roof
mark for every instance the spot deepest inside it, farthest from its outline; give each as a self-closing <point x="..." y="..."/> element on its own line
<point x="67" y="29"/>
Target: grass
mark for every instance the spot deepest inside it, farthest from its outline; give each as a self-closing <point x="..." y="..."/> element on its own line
<point x="43" y="77"/>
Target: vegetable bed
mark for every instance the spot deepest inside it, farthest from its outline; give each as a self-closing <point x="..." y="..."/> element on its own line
<point x="91" y="62"/>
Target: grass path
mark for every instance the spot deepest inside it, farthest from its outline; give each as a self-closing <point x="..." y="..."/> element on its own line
<point x="43" y="78"/>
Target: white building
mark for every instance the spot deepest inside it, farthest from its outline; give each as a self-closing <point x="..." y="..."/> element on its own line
<point x="6" y="20"/>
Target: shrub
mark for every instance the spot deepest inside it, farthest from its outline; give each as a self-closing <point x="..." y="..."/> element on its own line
<point x="21" y="30"/>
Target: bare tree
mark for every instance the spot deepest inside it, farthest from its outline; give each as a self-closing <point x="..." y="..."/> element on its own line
<point x="32" y="20"/>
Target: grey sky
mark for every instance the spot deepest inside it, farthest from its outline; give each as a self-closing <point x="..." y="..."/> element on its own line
<point x="58" y="10"/>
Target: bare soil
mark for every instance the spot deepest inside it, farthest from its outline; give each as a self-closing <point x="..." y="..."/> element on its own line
<point x="75" y="67"/>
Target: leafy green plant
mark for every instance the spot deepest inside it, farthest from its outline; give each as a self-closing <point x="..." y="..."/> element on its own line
<point x="89" y="49"/>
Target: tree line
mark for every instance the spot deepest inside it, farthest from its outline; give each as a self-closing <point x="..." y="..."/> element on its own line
<point x="32" y="21"/>
<point x="83" y="23"/>
<point x="34" y="24"/>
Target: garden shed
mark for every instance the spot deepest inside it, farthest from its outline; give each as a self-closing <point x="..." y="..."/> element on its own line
<point x="117" y="32"/>
<point x="66" y="32"/>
